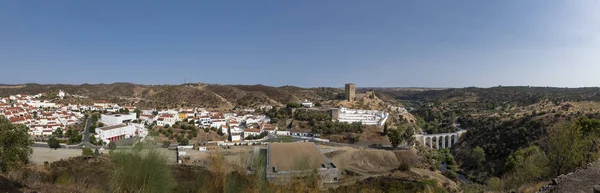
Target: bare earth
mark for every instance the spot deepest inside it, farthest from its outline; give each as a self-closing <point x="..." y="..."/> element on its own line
<point x="41" y="154"/>
<point x="580" y="181"/>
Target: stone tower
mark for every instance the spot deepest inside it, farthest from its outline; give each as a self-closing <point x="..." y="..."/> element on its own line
<point x="350" y="91"/>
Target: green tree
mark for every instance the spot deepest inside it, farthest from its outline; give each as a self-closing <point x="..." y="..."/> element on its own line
<point x="220" y="132"/>
<point x="58" y="133"/>
<point x="478" y="156"/>
<point x="92" y="128"/>
<point x="112" y="145"/>
<point x="525" y="166"/>
<point x="75" y="138"/>
<point x="566" y="148"/>
<point x="68" y="133"/>
<point x="407" y="135"/>
<point x="184" y="142"/>
<point x="95" y="117"/>
<point x="53" y="143"/>
<point x="318" y="104"/>
<point x="166" y="144"/>
<point x="293" y="105"/>
<point x="495" y="184"/>
<point x="96" y="152"/>
<point x="395" y="137"/>
<point x="93" y="140"/>
<point x="87" y="152"/>
<point x="137" y="113"/>
<point x="385" y="129"/>
<point x="166" y="126"/>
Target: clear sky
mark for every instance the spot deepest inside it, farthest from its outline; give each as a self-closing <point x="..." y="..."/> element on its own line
<point x="306" y="43"/>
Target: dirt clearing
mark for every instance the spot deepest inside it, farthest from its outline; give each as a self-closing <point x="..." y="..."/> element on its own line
<point x="364" y="160"/>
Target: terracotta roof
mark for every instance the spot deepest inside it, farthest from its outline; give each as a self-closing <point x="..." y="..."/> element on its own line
<point x="253" y="130"/>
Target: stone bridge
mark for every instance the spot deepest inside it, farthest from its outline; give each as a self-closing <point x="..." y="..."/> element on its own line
<point x="443" y="140"/>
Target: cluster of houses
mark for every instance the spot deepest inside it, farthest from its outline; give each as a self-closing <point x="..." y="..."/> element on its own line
<point x="40" y="116"/>
<point x="236" y="127"/>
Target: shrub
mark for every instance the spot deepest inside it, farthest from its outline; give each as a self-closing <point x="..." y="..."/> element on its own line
<point x="166" y="144"/>
<point x="86" y="151"/>
<point x="140" y="170"/>
<point x="404" y="167"/>
<point x="112" y="145"/>
<point x="53" y="143"/>
<point x="451" y="174"/>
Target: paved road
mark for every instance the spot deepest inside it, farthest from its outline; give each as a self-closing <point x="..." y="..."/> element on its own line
<point x="86" y="132"/>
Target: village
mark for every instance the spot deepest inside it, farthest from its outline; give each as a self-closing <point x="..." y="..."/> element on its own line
<point x="103" y="123"/>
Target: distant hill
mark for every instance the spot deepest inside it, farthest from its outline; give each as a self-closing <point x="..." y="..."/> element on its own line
<point x="202" y="95"/>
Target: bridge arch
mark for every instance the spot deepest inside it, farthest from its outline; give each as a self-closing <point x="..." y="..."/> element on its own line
<point x="440" y="140"/>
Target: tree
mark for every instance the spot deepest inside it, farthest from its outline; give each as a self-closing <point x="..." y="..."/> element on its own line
<point x="93" y="140"/>
<point x="566" y="148"/>
<point x="166" y="126"/>
<point x="495" y="184"/>
<point x="15" y="145"/>
<point x="53" y="143"/>
<point x="137" y="113"/>
<point x="184" y="142"/>
<point x="395" y="137"/>
<point x="166" y="144"/>
<point x="95" y="117"/>
<point x="478" y="156"/>
<point x="525" y="166"/>
<point x="58" y="133"/>
<point x="220" y="132"/>
<point x="92" y="128"/>
<point x="112" y="145"/>
<point x="293" y="105"/>
<point x="385" y="129"/>
<point x="87" y="152"/>
<point x="407" y="135"/>
<point x="68" y="133"/>
<point x="75" y="138"/>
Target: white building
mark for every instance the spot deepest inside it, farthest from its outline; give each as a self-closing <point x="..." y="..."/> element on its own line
<point x="42" y="104"/>
<point x="116" y="132"/>
<point x="236" y="134"/>
<point x="306" y="103"/>
<point x="270" y="128"/>
<point x="166" y="119"/>
<point x="251" y="132"/>
<point x="61" y="94"/>
<point x="365" y="117"/>
<point x="116" y="119"/>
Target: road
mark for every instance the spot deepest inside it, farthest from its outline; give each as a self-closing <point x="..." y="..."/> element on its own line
<point x="86" y="132"/>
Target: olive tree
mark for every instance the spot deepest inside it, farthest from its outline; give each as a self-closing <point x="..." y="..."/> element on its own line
<point x="15" y="145"/>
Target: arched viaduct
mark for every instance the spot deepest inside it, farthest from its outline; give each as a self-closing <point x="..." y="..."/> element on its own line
<point x="443" y="140"/>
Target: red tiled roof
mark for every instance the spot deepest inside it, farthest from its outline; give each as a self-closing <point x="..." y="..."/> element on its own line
<point x="253" y="130"/>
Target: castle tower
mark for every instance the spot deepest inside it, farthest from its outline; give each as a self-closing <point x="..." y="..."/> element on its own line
<point x="350" y="91"/>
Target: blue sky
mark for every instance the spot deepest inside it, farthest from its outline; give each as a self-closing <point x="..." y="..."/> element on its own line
<point x="303" y="43"/>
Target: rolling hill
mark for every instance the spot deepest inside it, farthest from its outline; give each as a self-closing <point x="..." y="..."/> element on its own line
<point x="200" y="95"/>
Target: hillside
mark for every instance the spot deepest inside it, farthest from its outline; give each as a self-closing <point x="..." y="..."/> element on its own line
<point x="197" y="95"/>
